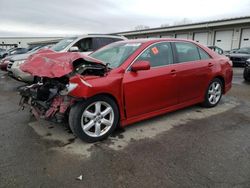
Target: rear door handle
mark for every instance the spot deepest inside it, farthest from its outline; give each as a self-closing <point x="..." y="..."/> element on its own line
<point x="210" y="64"/>
<point x="173" y="72"/>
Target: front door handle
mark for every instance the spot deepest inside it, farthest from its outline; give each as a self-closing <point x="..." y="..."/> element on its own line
<point x="210" y="64"/>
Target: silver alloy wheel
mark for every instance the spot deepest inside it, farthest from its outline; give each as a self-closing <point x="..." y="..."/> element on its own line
<point x="214" y="92"/>
<point x="97" y="119"/>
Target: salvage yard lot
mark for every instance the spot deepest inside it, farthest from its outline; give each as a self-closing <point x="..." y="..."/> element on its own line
<point x="193" y="147"/>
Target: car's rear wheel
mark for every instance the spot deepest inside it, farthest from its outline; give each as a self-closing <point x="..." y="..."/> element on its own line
<point x="213" y="93"/>
<point x="94" y="119"/>
<point x="246" y="75"/>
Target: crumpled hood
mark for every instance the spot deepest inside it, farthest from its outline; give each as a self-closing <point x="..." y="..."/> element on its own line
<point x="53" y="64"/>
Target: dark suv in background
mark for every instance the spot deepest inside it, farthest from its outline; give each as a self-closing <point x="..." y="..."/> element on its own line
<point x="246" y="73"/>
<point x="239" y="57"/>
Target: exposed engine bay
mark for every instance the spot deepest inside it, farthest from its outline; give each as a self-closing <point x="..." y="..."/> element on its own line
<point x="48" y="98"/>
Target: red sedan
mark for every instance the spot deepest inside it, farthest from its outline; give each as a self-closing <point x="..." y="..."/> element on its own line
<point x="4" y="63"/>
<point x="125" y="82"/>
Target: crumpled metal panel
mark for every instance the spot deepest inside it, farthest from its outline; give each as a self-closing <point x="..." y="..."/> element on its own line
<point x="53" y="64"/>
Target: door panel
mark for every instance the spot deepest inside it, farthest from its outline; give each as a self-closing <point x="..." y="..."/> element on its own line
<point x="192" y="72"/>
<point x="192" y="77"/>
<point x="150" y="90"/>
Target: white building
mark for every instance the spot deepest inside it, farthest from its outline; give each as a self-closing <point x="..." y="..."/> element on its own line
<point x="9" y="42"/>
<point x="227" y="33"/>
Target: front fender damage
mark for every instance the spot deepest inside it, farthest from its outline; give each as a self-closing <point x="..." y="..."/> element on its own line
<point x="54" y="107"/>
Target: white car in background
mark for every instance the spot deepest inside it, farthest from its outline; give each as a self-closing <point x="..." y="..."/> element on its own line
<point x="84" y="44"/>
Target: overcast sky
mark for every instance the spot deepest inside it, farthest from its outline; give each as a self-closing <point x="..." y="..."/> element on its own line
<point x="70" y="17"/>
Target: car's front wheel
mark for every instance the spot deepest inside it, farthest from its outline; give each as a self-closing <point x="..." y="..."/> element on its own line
<point x="213" y="93"/>
<point x="94" y="119"/>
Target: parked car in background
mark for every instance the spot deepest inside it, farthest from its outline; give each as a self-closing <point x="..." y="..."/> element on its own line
<point x="233" y="50"/>
<point x="5" y="61"/>
<point x="84" y="44"/>
<point x="13" y="51"/>
<point x="15" y="62"/>
<point x="2" y="50"/>
<point x="240" y="56"/>
<point x="246" y="73"/>
<point x="216" y="49"/>
<point x="124" y="82"/>
<point x="3" y="64"/>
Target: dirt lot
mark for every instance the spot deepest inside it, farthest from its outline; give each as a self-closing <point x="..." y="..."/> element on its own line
<point x="193" y="147"/>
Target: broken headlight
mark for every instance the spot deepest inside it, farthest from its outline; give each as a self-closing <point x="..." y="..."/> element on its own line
<point x="19" y="62"/>
<point x="69" y="87"/>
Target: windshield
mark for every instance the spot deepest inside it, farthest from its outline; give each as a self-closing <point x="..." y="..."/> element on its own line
<point x="243" y="51"/>
<point x="62" y="44"/>
<point x="35" y="49"/>
<point x="115" y="54"/>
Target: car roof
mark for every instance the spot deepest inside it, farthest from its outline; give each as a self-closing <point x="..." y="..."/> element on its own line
<point x="153" y="40"/>
<point x="99" y="35"/>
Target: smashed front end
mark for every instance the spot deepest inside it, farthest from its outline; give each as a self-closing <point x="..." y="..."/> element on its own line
<point x="49" y="97"/>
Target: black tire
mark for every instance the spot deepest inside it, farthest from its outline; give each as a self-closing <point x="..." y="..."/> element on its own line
<point x="207" y="103"/>
<point x="246" y="75"/>
<point x="76" y="112"/>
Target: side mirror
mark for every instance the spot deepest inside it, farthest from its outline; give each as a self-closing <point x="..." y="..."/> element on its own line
<point x="74" y="49"/>
<point x="140" y="65"/>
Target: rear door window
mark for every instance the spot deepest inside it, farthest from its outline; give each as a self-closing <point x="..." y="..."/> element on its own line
<point x="186" y="52"/>
<point x="99" y="42"/>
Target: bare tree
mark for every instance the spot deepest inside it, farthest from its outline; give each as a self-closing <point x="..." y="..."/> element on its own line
<point x="183" y="21"/>
<point x="141" y="27"/>
<point x="165" y="25"/>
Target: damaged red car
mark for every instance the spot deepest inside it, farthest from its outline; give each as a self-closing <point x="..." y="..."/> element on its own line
<point x="123" y="83"/>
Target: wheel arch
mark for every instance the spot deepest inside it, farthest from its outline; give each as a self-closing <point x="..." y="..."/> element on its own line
<point x="119" y="105"/>
<point x="221" y="78"/>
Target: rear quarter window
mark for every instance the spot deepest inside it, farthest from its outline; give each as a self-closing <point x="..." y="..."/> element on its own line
<point x="103" y="41"/>
<point x="203" y="54"/>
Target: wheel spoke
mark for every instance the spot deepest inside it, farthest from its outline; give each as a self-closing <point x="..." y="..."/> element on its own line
<point x="217" y="93"/>
<point x="88" y="126"/>
<point x="106" y="122"/>
<point x="88" y="114"/>
<point x="106" y="111"/>
<point x="213" y="86"/>
<point x="97" y="129"/>
<point x="211" y="98"/>
<point x="217" y="87"/>
<point x="210" y="91"/>
<point x="97" y="107"/>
